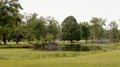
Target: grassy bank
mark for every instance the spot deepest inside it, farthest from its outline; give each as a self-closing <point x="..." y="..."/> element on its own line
<point x="6" y="54"/>
<point x="30" y="58"/>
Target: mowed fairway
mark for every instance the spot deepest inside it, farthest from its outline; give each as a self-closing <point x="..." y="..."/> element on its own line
<point x="30" y="58"/>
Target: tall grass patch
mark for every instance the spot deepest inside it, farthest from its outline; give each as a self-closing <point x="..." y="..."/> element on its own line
<point x="33" y="54"/>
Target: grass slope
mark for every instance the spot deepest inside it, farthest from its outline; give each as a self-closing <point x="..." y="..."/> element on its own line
<point x="24" y="58"/>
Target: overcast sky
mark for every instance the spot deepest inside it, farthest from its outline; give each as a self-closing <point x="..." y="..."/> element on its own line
<point x="82" y="10"/>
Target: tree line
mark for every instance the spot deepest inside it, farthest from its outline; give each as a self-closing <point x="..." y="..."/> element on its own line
<point x="15" y="26"/>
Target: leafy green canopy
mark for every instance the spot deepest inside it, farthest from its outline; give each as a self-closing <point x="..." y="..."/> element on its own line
<point x="85" y="30"/>
<point x="97" y="27"/>
<point x="36" y="27"/>
<point x="9" y="10"/>
<point x="70" y="29"/>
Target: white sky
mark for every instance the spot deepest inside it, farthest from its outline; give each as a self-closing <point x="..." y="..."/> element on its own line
<point x="82" y="10"/>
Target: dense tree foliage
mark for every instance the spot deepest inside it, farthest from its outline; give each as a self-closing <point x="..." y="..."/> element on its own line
<point x="9" y="10"/>
<point x="114" y="33"/>
<point x="53" y="27"/>
<point x="42" y="28"/>
<point x="18" y="27"/>
<point x="85" y="30"/>
<point x="70" y="29"/>
<point x="36" y="27"/>
<point x="97" y="27"/>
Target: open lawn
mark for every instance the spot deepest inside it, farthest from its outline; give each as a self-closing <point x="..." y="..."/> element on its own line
<point x="31" y="58"/>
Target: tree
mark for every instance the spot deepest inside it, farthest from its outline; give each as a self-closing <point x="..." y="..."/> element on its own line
<point x="36" y="27"/>
<point x="97" y="27"/>
<point x="17" y="16"/>
<point x="70" y="29"/>
<point x="49" y="37"/>
<point x="85" y="29"/>
<point x="114" y="33"/>
<point x="7" y="18"/>
<point x="17" y="23"/>
<point x="53" y="27"/>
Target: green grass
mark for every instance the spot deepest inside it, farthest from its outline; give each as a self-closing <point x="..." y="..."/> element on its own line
<point x="6" y="54"/>
<point x="31" y="58"/>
